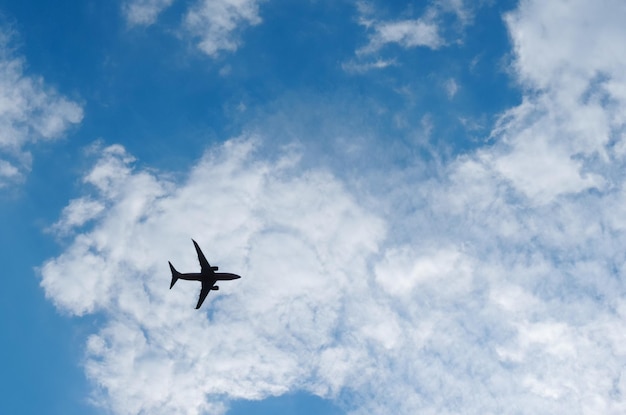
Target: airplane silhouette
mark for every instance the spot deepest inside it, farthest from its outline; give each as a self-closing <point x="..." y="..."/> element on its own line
<point x="207" y="276"/>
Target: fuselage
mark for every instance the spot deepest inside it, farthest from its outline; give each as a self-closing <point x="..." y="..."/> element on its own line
<point x="214" y="276"/>
<point x="193" y="276"/>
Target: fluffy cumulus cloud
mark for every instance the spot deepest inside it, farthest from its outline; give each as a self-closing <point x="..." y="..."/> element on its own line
<point x="30" y="111"/>
<point x="570" y="128"/>
<point x="299" y="240"/>
<point x="214" y="24"/>
<point x="507" y="297"/>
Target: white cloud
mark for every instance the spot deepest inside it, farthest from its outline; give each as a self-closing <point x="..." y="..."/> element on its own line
<point x="546" y="146"/>
<point x="144" y="12"/>
<point x="8" y="171"/>
<point x="451" y="87"/>
<point x="463" y="9"/>
<point x="421" y="269"/>
<point x="534" y="220"/>
<point x="425" y="31"/>
<point x="406" y="33"/>
<point x="569" y="128"/>
<point x="30" y="111"/>
<point x="358" y="67"/>
<point x="544" y="249"/>
<point x="216" y="23"/>
<point x="299" y="240"/>
<point x="564" y="41"/>
<point x="467" y="318"/>
<point x="78" y="212"/>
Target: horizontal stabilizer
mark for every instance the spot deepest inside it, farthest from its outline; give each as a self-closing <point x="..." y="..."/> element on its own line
<point x="175" y="275"/>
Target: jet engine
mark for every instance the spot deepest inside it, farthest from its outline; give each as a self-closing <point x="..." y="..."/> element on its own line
<point x="215" y="288"/>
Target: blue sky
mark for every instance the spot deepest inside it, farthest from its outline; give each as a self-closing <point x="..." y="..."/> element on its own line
<point x="425" y="200"/>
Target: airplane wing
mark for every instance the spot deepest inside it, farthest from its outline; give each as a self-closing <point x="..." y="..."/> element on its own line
<point x="206" y="287"/>
<point x="204" y="264"/>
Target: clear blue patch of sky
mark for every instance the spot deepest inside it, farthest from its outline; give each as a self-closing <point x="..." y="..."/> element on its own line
<point x="293" y="403"/>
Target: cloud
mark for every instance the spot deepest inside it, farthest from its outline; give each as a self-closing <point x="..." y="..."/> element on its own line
<point x="406" y="33"/>
<point x="30" y="112"/>
<point x="467" y="317"/>
<point x="425" y="31"/>
<point x="493" y="285"/>
<point x="451" y="87"/>
<point x="144" y="12"/>
<point x="8" y="171"/>
<point x="216" y="23"/>
<point x="529" y="227"/>
<point x="568" y="130"/>
<point x="77" y="213"/>
<point x="358" y="67"/>
<point x="432" y="30"/>
<point x="555" y="45"/>
<point x="297" y="237"/>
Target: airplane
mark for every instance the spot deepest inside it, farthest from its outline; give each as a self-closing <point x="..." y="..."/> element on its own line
<point x="207" y="276"/>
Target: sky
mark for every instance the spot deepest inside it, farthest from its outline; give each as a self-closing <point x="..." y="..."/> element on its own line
<point x="426" y="201"/>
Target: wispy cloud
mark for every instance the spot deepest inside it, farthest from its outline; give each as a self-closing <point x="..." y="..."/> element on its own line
<point x="429" y="30"/>
<point x="451" y="87"/>
<point x="361" y="67"/>
<point x="30" y="111"/>
<point x="406" y="33"/>
<point x="144" y="12"/>
<point x="214" y="24"/>
<point x="425" y="31"/>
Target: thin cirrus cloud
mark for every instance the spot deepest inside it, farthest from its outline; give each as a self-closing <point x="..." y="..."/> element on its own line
<point x="508" y="298"/>
<point x="213" y="24"/>
<point x="30" y="111"/>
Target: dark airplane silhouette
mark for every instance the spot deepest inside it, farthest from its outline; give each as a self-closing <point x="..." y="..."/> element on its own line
<point x="207" y="276"/>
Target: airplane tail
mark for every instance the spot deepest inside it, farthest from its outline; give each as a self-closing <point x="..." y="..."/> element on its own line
<point x="175" y="275"/>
